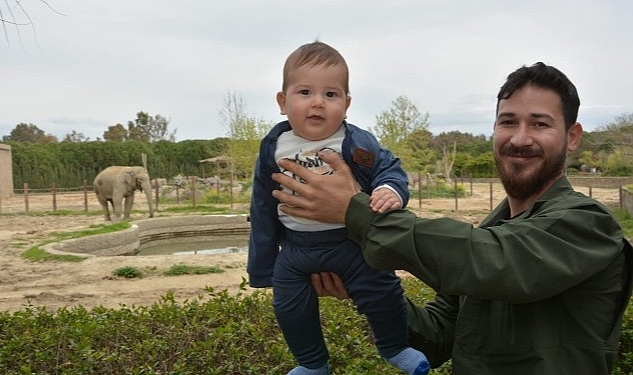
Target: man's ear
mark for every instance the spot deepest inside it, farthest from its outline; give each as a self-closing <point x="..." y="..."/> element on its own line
<point x="281" y="101"/>
<point x="574" y="135"/>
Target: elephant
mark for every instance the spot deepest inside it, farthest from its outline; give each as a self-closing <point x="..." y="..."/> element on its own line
<point x="117" y="182"/>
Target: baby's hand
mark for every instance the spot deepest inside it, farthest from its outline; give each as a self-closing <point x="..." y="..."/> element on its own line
<point x="384" y="199"/>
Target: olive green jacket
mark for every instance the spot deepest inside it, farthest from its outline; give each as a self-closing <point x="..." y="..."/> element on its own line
<point x="541" y="293"/>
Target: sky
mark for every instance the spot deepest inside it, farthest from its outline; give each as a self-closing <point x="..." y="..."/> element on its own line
<point x="85" y="65"/>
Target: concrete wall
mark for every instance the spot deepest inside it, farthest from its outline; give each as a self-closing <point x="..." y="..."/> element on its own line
<point x="6" y="171"/>
<point x="129" y="241"/>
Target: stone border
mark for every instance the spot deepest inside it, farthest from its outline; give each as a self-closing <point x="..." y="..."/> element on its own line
<point x="129" y="241"/>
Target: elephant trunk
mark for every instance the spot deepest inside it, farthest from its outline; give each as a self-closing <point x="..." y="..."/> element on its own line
<point x="148" y="193"/>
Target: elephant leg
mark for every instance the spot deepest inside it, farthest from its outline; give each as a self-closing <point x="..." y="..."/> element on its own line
<point x="116" y="207"/>
<point x="129" y="201"/>
<point x="106" y="211"/>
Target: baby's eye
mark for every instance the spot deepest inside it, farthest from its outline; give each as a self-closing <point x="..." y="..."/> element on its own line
<point x="331" y="94"/>
<point x="304" y="92"/>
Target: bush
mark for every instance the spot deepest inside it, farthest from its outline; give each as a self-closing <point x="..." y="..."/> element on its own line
<point x="214" y="334"/>
<point x="128" y="272"/>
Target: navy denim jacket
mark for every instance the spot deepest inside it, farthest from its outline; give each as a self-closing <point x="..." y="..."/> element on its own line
<point x="371" y="164"/>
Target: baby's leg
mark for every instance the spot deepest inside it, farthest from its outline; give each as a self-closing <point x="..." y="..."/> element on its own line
<point x="297" y="310"/>
<point x="380" y="297"/>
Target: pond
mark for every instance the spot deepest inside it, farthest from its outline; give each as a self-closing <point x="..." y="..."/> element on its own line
<point x="227" y="243"/>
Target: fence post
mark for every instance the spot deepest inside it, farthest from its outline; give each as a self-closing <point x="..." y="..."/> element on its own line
<point x="621" y="197"/>
<point x="490" y="196"/>
<point x="419" y="190"/>
<point x="54" y="197"/>
<point x="455" y="189"/>
<point x="193" y="191"/>
<point x="85" y="196"/>
<point x="156" y="194"/>
<point x="217" y="189"/>
<point x="471" y="186"/>
<point x="590" y="192"/>
<point x="26" y="197"/>
<point x="231" y="189"/>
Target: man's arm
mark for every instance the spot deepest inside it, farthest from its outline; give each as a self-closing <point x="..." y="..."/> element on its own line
<point x="324" y="198"/>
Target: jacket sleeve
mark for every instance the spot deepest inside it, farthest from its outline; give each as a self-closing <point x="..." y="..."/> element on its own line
<point x="389" y="171"/>
<point x="263" y="243"/>
<point x="385" y="168"/>
<point x="520" y="261"/>
<point x="432" y="327"/>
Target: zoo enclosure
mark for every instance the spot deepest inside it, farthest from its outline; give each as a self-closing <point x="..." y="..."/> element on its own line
<point x="609" y="191"/>
<point x="83" y="198"/>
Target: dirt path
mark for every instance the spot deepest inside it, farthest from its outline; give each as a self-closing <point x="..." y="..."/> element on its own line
<point x="90" y="283"/>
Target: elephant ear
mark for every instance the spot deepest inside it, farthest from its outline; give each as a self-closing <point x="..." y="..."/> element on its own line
<point x="129" y="178"/>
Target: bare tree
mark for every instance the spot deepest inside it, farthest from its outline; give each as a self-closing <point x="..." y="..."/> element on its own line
<point x="13" y="14"/>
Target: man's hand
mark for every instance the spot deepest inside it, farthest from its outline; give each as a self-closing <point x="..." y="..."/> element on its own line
<point x="329" y="284"/>
<point x="384" y="199"/>
<point x="321" y="197"/>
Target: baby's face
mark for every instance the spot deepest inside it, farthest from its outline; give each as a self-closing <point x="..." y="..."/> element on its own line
<point x="315" y="100"/>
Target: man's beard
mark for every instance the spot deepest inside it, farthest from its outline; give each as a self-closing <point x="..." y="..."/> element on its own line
<point x="523" y="187"/>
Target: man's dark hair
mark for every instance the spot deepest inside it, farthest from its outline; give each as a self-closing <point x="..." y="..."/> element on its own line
<point x="546" y="77"/>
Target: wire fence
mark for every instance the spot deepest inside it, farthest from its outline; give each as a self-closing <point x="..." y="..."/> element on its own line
<point x="477" y="194"/>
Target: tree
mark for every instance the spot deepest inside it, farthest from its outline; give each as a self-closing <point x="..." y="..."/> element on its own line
<point x="402" y="129"/>
<point x="17" y="16"/>
<point x="115" y="133"/>
<point x="75" y="137"/>
<point x="447" y="159"/>
<point x="29" y="133"/>
<point x="621" y="123"/>
<point x="245" y="133"/>
<point x="144" y="128"/>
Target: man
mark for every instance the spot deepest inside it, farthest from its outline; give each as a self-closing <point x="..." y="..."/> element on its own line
<point x="539" y="288"/>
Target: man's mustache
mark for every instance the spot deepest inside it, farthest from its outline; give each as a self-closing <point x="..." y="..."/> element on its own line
<point x="521" y="151"/>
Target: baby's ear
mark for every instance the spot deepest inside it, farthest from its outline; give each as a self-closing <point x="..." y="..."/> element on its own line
<point x="281" y="101"/>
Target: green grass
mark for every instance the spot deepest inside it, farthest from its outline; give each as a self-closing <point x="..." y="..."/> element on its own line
<point x="183" y="269"/>
<point x="91" y="231"/>
<point x="626" y="222"/>
<point x="37" y="254"/>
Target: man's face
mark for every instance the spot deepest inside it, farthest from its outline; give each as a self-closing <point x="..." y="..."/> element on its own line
<point x="530" y="141"/>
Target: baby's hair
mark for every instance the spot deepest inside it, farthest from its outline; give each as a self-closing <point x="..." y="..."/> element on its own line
<point x="313" y="54"/>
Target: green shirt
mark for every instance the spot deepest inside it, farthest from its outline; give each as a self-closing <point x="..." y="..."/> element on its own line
<point x="541" y="293"/>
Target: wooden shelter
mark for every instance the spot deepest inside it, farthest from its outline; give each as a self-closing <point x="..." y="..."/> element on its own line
<point x="221" y="163"/>
<point x="6" y="171"/>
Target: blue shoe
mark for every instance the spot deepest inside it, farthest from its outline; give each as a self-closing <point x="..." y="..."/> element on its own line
<point x="422" y="369"/>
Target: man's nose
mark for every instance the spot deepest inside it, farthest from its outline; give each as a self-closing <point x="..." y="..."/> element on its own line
<point x="522" y="136"/>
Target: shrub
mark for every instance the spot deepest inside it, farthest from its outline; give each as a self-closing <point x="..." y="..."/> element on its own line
<point x="128" y="272"/>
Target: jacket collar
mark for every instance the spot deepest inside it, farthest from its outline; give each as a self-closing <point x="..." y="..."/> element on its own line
<point x="562" y="186"/>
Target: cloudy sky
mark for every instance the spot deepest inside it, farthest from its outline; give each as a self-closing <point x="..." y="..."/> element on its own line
<point x="96" y="63"/>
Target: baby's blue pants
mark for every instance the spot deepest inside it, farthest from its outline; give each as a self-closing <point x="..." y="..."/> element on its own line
<point x="377" y="294"/>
